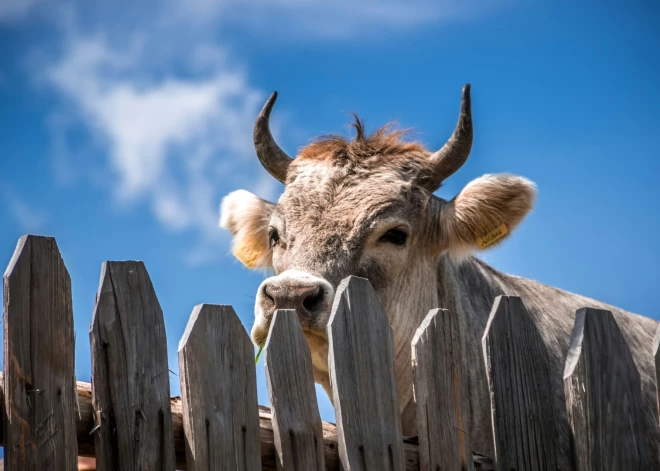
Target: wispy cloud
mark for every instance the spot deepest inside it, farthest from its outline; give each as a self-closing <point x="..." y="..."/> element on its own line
<point x="144" y="121"/>
<point x="28" y="218"/>
<point x="169" y="140"/>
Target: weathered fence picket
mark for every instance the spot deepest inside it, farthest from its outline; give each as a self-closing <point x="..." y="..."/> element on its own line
<point x="219" y="392"/>
<point x="439" y="369"/>
<point x="603" y="396"/>
<point x="290" y="380"/>
<point x="361" y="360"/>
<point x="130" y="376"/>
<point x="518" y="372"/>
<point x="39" y="383"/>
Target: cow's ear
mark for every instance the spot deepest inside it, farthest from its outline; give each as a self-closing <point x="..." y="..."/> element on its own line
<point x="247" y="216"/>
<point x="484" y="213"/>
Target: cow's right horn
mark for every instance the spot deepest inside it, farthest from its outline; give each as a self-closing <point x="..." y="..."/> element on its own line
<point x="273" y="159"/>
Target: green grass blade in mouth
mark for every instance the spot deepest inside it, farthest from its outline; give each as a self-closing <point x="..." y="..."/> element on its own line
<point x="261" y="348"/>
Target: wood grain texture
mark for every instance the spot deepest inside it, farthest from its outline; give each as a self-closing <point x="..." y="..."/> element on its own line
<point x="219" y="392"/>
<point x="603" y="396"/>
<point x="290" y="380"/>
<point x="130" y="375"/>
<point x="39" y="382"/>
<point x="517" y="364"/>
<point x="361" y="361"/>
<point x="85" y="423"/>
<point x="439" y="372"/>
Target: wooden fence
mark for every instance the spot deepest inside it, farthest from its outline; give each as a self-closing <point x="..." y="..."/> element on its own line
<point x="128" y="421"/>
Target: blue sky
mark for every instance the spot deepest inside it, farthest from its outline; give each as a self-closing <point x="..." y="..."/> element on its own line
<point x="123" y="126"/>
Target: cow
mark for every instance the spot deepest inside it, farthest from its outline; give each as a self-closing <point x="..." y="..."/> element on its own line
<point x="366" y="207"/>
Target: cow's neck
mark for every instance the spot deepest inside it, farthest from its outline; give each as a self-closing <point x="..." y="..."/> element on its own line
<point x="465" y="288"/>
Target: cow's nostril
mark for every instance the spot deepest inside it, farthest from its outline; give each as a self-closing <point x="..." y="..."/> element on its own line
<point x="313" y="299"/>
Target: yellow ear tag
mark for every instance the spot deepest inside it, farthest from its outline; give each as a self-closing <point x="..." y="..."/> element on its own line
<point x="247" y="255"/>
<point x="491" y="236"/>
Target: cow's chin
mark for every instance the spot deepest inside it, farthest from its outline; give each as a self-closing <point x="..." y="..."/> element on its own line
<point x="318" y="348"/>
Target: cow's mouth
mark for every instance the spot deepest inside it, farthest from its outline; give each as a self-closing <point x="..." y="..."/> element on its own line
<point x="259" y="334"/>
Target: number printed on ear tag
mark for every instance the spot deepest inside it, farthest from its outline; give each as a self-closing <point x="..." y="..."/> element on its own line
<point x="491" y="236"/>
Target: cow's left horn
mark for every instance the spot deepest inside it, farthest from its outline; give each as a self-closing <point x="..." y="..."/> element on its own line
<point x="273" y="159"/>
<point x="454" y="153"/>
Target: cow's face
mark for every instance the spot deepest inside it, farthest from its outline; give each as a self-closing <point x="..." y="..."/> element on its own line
<point x="363" y="208"/>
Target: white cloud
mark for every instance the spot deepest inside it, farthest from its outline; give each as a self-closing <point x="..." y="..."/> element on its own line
<point x="28" y="218"/>
<point x="142" y="123"/>
<point x="169" y="140"/>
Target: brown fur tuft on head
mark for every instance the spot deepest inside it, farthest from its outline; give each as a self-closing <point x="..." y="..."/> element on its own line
<point x="365" y="150"/>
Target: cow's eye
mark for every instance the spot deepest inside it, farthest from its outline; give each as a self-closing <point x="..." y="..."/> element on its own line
<point x="394" y="236"/>
<point x="273" y="237"/>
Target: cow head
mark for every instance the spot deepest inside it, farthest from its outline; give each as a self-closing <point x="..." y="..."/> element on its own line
<point x="366" y="208"/>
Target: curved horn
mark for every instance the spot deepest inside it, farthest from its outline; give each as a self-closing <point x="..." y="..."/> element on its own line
<point x="273" y="159"/>
<point x="454" y="153"/>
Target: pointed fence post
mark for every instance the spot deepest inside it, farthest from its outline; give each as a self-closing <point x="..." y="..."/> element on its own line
<point x="39" y="382"/>
<point x="361" y="361"/>
<point x="130" y="376"/>
<point x="517" y="364"/>
<point x="290" y="380"/>
<point x="604" y="397"/>
<point x="219" y="392"/>
<point x="439" y="370"/>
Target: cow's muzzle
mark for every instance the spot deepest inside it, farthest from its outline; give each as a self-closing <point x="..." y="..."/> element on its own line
<point x="310" y="296"/>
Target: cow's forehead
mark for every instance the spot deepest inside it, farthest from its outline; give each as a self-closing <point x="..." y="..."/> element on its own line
<point x="342" y="197"/>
